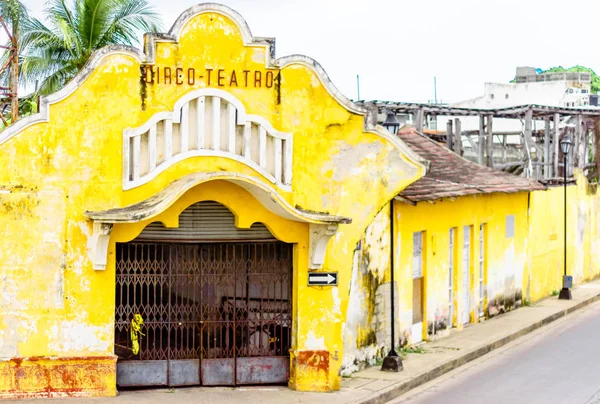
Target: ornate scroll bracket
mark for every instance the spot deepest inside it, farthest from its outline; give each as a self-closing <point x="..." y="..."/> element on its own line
<point x="100" y="237"/>
<point x="318" y="239"/>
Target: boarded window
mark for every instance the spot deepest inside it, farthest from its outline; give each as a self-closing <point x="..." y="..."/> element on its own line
<point x="510" y="226"/>
<point x="417" y="255"/>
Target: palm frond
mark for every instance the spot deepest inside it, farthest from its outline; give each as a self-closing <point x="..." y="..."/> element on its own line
<point x="58" y="10"/>
<point x="34" y="34"/>
<point x="13" y="11"/>
<point x="58" y="79"/>
<point x="55" y="52"/>
<point x="38" y="66"/>
<point x="92" y="20"/>
<point x="130" y="19"/>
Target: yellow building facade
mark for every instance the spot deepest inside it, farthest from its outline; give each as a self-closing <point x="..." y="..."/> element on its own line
<point x="469" y="244"/>
<point x="198" y="184"/>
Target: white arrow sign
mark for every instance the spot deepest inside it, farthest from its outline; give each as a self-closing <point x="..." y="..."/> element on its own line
<point x="322" y="278"/>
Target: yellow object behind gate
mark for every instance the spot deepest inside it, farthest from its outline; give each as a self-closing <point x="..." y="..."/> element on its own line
<point x="136" y="332"/>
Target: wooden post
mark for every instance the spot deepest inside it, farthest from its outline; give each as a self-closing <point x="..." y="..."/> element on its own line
<point x="419" y="119"/>
<point x="570" y="158"/>
<point x="457" y="137"/>
<point x="577" y="143"/>
<point x="504" y="147"/>
<point x="547" y="166"/>
<point x="528" y="139"/>
<point x="555" y="143"/>
<point x="449" y="134"/>
<point x="490" y="141"/>
<point x="481" y="142"/>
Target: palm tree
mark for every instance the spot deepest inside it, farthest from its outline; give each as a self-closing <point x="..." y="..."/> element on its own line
<point x="54" y="54"/>
<point x="12" y="12"/>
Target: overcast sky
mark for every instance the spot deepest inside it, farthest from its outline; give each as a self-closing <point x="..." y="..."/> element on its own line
<point x="398" y="46"/>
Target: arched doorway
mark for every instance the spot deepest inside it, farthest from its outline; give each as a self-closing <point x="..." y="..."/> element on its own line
<point x="216" y="303"/>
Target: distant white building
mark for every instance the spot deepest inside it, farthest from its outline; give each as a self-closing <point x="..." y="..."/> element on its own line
<point x="568" y="90"/>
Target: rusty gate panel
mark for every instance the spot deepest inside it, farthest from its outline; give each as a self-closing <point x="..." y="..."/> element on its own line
<point x="214" y="314"/>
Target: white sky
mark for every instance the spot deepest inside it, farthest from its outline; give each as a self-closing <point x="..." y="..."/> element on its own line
<point x="398" y="46"/>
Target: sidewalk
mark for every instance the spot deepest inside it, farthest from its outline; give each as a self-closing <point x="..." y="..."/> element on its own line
<point x="371" y="386"/>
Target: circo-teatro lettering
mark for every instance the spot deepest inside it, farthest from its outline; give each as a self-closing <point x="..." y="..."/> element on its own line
<point x="165" y="75"/>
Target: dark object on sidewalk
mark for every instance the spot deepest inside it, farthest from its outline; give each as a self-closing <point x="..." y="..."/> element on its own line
<point x="565" y="294"/>
<point x="392" y="363"/>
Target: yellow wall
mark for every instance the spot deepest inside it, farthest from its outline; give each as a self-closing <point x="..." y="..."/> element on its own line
<point x="524" y="268"/>
<point x="546" y="240"/>
<point x="505" y="263"/>
<point x="505" y="260"/>
<point x="53" y="304"/>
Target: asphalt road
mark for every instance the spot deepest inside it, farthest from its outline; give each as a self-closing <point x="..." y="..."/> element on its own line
<point x="558" y="364"/>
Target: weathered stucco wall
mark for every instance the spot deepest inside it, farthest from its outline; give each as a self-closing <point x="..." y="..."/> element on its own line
<point x="54" y="305"/>
<point x="505" y="258"/>
<point x="523" y="268"/>
<point x="367" y="320"/>
<point x="546" y="240"/>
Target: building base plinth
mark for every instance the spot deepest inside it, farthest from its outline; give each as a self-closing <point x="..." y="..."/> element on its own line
<point x="48" y="377"/>
<point x="311" y="371"/>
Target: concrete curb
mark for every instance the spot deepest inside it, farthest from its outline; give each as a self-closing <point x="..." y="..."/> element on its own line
<point x="393" y="392"/>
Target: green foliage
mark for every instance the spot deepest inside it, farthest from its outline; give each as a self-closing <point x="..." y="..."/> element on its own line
<point x="55" y="53"/>
<point x="12" y="11"/>
<point x="594" y="76"/>
<point x="412" y="349"/>
<point x="555" y="293"/>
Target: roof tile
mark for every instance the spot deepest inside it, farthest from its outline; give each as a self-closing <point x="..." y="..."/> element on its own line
<point x="452" y="176"/>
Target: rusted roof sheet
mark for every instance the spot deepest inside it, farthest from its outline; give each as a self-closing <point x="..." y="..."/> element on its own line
<point x="451" y="176"/>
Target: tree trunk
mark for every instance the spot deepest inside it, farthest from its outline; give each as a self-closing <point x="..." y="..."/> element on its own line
<point x="14" y="74"/>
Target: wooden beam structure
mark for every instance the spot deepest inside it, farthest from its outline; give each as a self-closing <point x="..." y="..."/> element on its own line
<point x="538" y="111"/>
<point x="539" y="149"/>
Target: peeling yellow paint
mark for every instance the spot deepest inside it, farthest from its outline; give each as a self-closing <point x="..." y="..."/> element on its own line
<point x="546" y="239"/>
<point x="54" y="304"/>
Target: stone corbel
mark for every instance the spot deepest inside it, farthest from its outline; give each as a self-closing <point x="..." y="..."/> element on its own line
<point x="318" y="239"/>
<point x="100" y="237"/>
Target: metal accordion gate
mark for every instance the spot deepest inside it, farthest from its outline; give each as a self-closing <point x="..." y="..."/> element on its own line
<point x="195" y="310"/>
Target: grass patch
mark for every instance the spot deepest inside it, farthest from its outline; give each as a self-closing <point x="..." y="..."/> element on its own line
<point x="555" y="293"/>
<point x="412" y="350"/>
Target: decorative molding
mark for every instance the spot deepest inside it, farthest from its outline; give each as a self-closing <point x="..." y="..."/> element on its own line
<point x="319" y="235"/>
<point x="100" y="237"/>
<point x="265" y="194"/>
<point x="141" y="164"/>
<point x="149" y="55"/>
